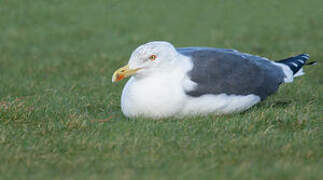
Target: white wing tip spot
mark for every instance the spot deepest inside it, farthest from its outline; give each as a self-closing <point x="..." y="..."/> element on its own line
<point x="301" y="61"/>
<point x="306" y="56"/>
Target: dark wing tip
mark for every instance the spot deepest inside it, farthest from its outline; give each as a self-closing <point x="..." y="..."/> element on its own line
<point x="311" y="63"/>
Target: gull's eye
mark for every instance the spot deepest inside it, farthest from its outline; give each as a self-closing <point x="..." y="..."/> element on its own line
<point x="152" y="57"/>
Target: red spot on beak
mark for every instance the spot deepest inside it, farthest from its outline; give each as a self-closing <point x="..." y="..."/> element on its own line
<point x="120" y="77"/>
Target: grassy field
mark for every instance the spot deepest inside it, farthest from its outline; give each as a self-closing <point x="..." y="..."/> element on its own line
<point x="60" y="114"/>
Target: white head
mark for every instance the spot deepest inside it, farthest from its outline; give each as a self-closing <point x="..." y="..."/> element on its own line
<point x="147" y="58"/>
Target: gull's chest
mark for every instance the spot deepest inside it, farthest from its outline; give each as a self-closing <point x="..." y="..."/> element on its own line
<point x="152" y="97"/>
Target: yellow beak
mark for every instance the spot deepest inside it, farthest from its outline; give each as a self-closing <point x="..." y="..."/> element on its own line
<point x="123" y="72"/>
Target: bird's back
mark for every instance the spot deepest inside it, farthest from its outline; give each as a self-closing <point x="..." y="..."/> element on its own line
<point x="228" y="71"/>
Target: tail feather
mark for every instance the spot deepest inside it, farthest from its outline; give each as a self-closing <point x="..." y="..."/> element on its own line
<point x="296" y="63"/>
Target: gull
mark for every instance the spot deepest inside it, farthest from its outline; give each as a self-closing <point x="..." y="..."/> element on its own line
<point x="178" y="82"/>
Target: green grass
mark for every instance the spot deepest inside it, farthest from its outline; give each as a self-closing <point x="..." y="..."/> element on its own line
<point x="60" y="114"/>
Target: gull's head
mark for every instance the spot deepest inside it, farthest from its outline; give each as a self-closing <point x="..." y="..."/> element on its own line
<point x="147" y="58"/>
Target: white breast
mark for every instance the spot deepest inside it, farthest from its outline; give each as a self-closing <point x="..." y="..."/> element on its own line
<point x="153" y="97"/>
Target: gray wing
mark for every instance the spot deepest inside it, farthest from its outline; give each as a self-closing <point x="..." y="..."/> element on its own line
<point x="228" y="71"/>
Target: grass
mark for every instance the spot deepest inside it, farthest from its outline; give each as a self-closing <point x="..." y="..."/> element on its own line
<point x="60" y="114"/>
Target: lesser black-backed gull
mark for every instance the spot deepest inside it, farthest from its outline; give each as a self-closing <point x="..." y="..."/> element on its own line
<point x="168" y="81"/>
